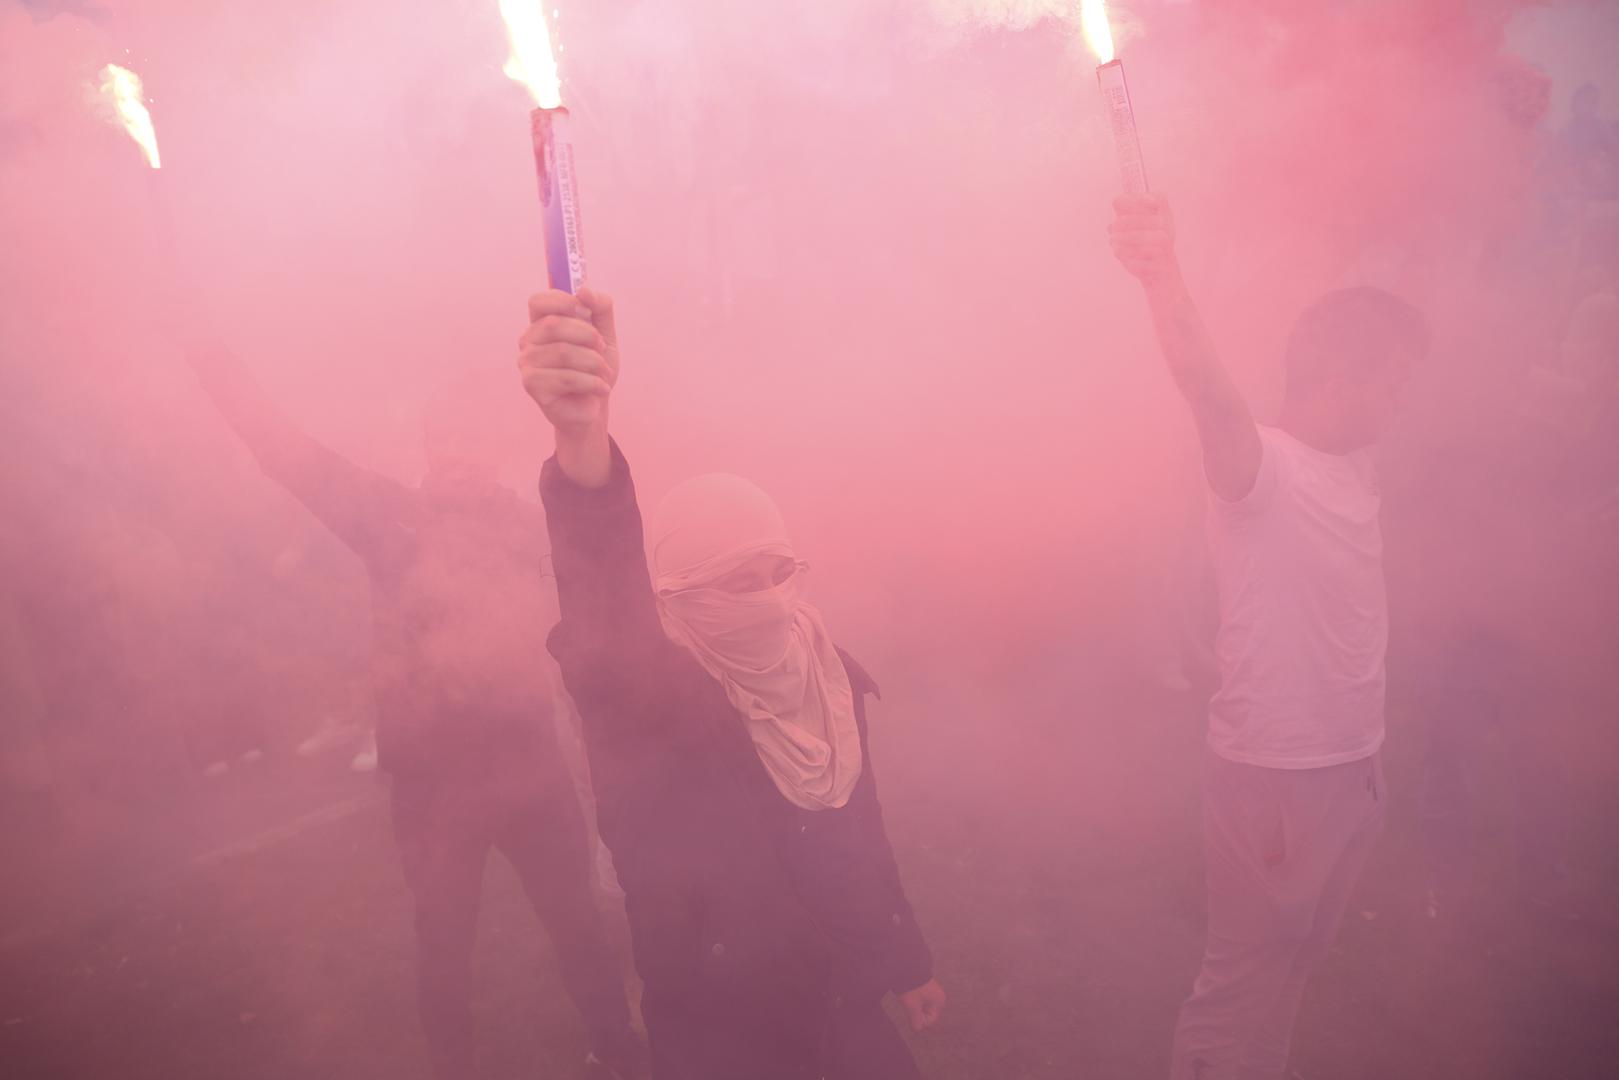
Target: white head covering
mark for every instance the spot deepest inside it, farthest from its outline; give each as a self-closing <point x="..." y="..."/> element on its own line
<point x="769" y="649"/>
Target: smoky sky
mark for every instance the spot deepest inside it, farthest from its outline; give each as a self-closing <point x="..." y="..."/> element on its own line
<point x="858" y="250"/>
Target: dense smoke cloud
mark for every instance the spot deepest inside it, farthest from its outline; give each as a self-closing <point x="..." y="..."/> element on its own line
<point x="859" y="253"/>
<point x="846" y="245"/>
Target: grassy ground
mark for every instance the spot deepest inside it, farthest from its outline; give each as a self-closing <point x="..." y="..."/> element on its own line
<point x="1051" y="852"/>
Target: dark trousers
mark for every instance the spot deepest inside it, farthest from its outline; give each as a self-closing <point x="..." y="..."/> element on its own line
<point x="862" y="1043"/>
<point x="692" y="1041"/>
<point x="444" y="828"/>
<point x="699" y="1039"/>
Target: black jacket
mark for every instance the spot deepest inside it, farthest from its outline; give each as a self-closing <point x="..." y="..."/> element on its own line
<point x="748" y="914"/>
<point x="456" y="586"/>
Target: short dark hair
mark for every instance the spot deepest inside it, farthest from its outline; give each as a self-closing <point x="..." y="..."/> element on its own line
<point x="1347" y="330"/>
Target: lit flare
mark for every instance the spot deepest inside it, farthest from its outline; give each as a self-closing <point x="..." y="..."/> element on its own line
<point x="122" y="88"/>
<point x="1098" y="34"/>
<point x="532" y="62"/>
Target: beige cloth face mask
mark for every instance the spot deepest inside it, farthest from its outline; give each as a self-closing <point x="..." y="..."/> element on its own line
<point x="769" y="648"/>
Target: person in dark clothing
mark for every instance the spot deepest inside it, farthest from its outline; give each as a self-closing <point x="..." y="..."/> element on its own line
<point x="727" y="740"/>
<point x="464" y="712"/>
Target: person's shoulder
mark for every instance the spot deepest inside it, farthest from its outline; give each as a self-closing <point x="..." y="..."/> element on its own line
<point x="1276" y="447"/>
<point x="1277" y="441"/>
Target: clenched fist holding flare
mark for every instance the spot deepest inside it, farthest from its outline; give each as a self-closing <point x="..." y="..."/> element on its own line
<point x="568" y="359"/>
<point x="1142" y="235"/>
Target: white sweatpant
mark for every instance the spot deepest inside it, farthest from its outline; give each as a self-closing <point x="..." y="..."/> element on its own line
<point x="1283" y="848"/>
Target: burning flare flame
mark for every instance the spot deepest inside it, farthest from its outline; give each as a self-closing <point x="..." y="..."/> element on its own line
<point x="1098" y="35"/>
<point x="531" y="61"/>
<point x="123" y="88"/>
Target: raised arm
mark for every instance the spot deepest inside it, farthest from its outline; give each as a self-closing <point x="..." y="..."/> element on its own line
<point x="605" y="593"/>
<point x="361" y="507"/>
<point x="1143" y="237"/>
<point x="568" y="360"/>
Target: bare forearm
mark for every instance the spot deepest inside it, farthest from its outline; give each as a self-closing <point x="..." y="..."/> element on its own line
<point x="1187" y="348"/>
<point x="1143" y="238"/>
<point x="1224" y="423"/>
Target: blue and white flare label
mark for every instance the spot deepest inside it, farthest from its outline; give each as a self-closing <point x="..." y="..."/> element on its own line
<point x="559" y="199"/>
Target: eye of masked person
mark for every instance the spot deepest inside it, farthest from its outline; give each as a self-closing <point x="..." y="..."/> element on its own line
<point x="758" y="574"/>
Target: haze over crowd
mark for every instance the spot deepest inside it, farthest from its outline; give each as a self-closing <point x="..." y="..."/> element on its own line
<point x="859" y="255"/>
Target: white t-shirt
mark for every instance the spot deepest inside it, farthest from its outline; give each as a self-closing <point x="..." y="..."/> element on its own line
<point x="1303" y="611"/>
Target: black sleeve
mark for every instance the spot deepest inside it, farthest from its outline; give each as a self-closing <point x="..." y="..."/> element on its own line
<point x="610" y="642"/>
<point x="359" y="506"/>
<point x="909" y="963"/>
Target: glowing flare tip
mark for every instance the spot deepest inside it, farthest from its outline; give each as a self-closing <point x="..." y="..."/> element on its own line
<point x="123" y="88"/>
<point x="1098" y="35"/>
<point x="532" y="62"/>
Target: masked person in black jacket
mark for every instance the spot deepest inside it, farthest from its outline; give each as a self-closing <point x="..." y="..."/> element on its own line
<point x="727" y="741"/>
<point x="464" y="724"/>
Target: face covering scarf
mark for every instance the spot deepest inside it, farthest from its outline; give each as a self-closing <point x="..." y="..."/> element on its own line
<point x="769" y="649"/>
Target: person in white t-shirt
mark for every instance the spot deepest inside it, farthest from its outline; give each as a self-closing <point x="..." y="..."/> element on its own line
<point x="1293" y="790"/>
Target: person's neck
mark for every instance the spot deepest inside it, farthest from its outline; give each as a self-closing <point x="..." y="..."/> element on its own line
<point x="1311" y="428"/>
